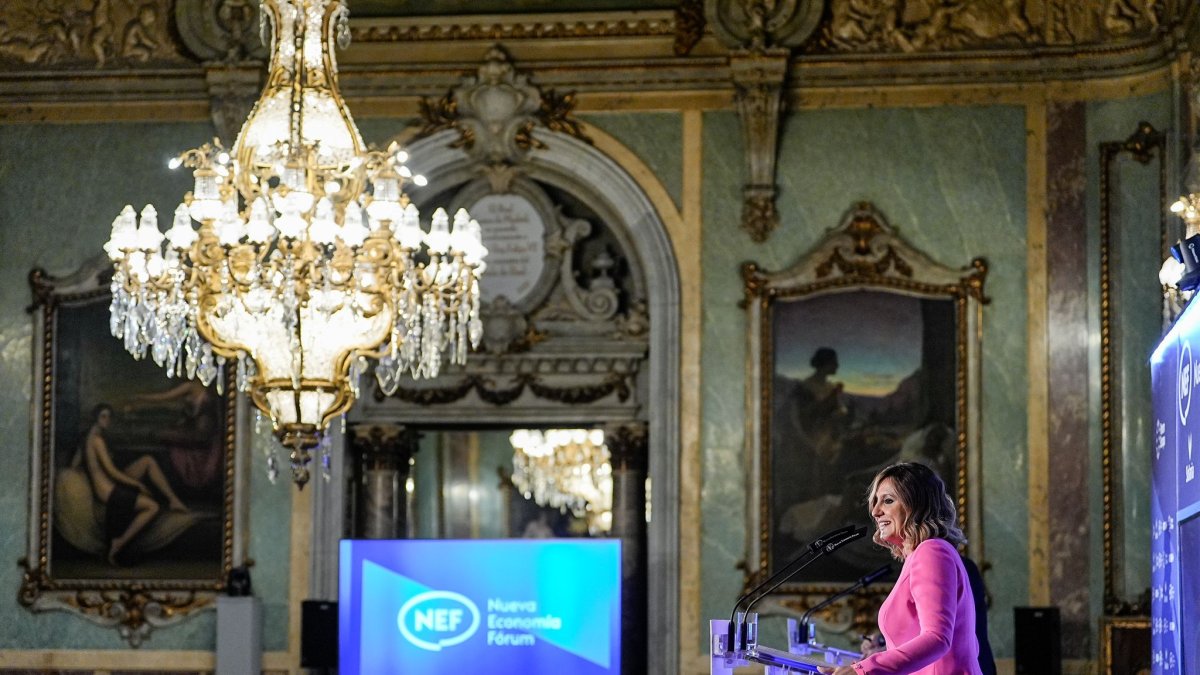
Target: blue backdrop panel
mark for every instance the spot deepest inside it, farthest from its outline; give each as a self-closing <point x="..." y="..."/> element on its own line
<point x="511" y="606"/>
<point x="1175" y="499"/>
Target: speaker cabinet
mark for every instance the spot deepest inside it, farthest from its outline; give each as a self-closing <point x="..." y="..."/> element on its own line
<point x="1038" y="643"/>
<point x="318" y="634"/>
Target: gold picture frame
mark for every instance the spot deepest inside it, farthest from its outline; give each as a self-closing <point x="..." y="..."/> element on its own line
<point x="134" y="522"/>
<point x="1125" y="645"/>
<point x="859" y="272"/>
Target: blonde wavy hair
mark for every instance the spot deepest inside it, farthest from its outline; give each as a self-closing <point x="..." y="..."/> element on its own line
<point x="928" y="510"/>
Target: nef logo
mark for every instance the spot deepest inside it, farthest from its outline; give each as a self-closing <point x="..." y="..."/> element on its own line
<point x="1187" y="377"/>
<point x="438" y="619"/>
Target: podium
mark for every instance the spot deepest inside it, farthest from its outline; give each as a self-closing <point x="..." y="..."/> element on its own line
<point x="802" y="655"/>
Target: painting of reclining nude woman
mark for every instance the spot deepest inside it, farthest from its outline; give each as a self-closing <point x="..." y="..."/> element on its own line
<point x="137" y="470"/>
<point x="861" y="379"/>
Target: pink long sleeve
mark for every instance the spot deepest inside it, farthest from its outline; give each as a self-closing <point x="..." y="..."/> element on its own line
<point x="919" y="618"/>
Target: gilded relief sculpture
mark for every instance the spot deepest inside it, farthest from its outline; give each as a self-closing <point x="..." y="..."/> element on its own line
<point x="98" y="33"/>
<point x="905" y="26"/>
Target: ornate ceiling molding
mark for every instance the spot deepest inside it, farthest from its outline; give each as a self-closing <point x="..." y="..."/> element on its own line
<point x="73" y="55"/>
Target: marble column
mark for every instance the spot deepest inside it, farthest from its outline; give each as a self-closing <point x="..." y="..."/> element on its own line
<point x="628" y="445"/>
<point x="384" y="455"/>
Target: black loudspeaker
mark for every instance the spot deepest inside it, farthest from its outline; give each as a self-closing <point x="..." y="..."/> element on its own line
<point x="318" y="634"/>
<point x="1038" y="643"/>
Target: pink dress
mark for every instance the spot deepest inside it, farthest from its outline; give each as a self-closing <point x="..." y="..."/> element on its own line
<point x="928" y="619"/>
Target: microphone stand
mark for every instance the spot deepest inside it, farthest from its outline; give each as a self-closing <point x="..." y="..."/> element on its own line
<point x="803" y="560"/>
<point x="823" y="545"/>
<point x="863" y="582"/>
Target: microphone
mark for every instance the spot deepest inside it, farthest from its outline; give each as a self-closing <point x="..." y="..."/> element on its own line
<point x="829" y="545"/>
<point x="863" y="582"/>
<point x="826" y="543"/>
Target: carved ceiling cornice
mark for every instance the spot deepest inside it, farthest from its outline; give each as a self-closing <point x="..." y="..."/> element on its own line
<point x="85" y="52"/>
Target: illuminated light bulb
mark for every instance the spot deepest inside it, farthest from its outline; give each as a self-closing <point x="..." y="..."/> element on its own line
<point x="420" y="180"/>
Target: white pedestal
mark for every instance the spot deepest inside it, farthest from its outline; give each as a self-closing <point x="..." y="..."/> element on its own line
<point x="239" y="636"/>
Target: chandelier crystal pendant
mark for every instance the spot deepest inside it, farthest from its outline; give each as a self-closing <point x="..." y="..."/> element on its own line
<point x="298" y="255"/>
<point x="566" y="469"/>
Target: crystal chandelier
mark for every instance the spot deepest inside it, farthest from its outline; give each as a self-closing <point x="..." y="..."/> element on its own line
<point x="298" y="255"/>
<point x="568" y="469"/>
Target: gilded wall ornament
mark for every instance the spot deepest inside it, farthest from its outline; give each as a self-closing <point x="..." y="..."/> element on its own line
<point x="689" y="25"/>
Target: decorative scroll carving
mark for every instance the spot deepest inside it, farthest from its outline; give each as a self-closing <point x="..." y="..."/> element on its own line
<point x="133" y="611"/>
<point x="763" y="24"/>
<point x="228" y="31"/>
<point x="555" y="115"/>
<point x="618" y="383"/>
<point x="495" y="112"/>
<point x="232" y="90"/>
<point x="629" y="446"/>
<point x="82" y="33"/>
<point x="864" y="249"/>
<point x="762" y="33"/>
<point x="689" y="25"/>
<point x="503" y="325"/>
<point x="384" y="446"/>
<point x="758" y="80"/>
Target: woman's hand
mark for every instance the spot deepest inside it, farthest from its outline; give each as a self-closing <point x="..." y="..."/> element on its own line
<point x="840" y="670"/>
<point x="871" y="644"/>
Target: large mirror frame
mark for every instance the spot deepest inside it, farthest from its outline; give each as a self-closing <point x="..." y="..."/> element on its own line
<point x="186" y="438"/>
<point x="863" y="255"/>
<point x="1145" y="145"/>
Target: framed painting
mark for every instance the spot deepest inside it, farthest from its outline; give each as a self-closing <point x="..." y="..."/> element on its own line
<point x="862" y="354"/>
<point x="1125" y="645"/>
<point x="133" y="474"/>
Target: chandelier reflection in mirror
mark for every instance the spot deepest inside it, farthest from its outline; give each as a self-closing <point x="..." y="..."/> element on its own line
<point x="566" y="469"/>
<point x="298" y="254"/>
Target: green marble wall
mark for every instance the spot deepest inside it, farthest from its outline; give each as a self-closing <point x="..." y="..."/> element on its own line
<point x="100" y="167"/>
<point x="953" y="181"/>
<point x="656" y="138"/>
<point x="951" y="178"/>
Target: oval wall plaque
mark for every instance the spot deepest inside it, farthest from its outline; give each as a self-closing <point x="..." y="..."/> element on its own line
<point x="514" y="234"/>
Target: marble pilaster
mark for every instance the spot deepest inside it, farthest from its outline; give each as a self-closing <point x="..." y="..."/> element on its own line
<point x="1067" y="332"/>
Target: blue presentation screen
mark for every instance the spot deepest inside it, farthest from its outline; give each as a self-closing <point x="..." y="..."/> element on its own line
<point x="1175" y="499"/>
<point x="497" y="606"/>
